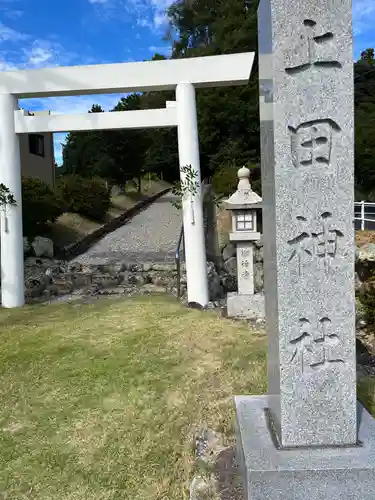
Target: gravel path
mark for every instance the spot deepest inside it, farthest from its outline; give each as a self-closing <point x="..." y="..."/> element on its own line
<point x="150" y="236"/>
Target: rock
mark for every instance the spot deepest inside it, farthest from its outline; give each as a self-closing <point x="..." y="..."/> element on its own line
<point x="258" y="277"/>
<point x="43" y="247"/>
<point x="135" y="279"/>
<point x="41" y="263"/>
<point x="75" y="267"/>
<point x="134" y="268"/>
<point x="358" y="283"/>
<point x="365" y="263"/>
<point x="230" y="266"/>
<point x="215" y="290"/>
<point x="158" y="281"/>
<point x="229" y="283"/>
<point x="229" y="251"/>
<point x="26" y="246"/>
<point x="34" y="287"/>
<point x="258" y="253"/>
<point x="117" y="267"/>
<point x="80" y="280"/>
<point x="112" y="291"/>
<point x="203" y="488"/>
<point x="360" y="314"/>
<point x="146" y="289"/>
<point x="366" y="253"/>
<point x="259" y="243"/>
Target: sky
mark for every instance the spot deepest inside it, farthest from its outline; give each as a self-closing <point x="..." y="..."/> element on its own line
<point x="45" y="33"/>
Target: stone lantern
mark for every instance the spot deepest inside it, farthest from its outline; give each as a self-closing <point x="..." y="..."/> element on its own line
<point x="244" y="205"/>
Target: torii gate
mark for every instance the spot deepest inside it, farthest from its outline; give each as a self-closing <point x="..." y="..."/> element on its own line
<point x="182" y="75"/>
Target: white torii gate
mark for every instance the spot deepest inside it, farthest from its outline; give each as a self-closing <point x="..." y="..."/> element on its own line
<point x="182" y="75"/>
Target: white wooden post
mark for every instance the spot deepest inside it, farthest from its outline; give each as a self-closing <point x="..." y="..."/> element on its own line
<point x="362" y="215"/>
<point x="12" y="268"/>
<point x="192" y="207"/>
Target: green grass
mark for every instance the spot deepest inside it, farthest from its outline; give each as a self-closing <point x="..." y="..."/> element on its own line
<point x="101" y="401"/>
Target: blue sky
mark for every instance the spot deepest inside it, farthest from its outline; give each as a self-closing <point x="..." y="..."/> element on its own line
<point x="45" y="33"/>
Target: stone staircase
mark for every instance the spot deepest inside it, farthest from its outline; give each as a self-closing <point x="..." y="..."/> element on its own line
<point x="47" y="278"/>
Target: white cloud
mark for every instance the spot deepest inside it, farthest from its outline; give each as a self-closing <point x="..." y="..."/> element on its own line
<point x="9" y="8"/>
<point x="39" y="56"/>
<point x="10" y="35"/>
<point x="147" y="13"/>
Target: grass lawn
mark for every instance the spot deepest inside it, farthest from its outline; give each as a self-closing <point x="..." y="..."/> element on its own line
<point x="70" y="227"/>
<point x="101" y="401"/>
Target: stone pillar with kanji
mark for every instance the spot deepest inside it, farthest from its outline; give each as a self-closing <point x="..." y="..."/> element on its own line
<point x="244" y="205"/>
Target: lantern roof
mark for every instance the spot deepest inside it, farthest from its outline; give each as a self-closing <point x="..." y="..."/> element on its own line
<point x="244" y="198"/>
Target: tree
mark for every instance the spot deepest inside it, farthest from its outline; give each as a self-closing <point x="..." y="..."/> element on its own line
<point x="82" y="150"/>
<point x="228" y="118"/>
<point x="368" y="56"/>
<point x="365" y="125"/>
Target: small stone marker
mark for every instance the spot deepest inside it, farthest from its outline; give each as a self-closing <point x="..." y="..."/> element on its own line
<point x="244" y="204"/>
<point x="302" y="441"/>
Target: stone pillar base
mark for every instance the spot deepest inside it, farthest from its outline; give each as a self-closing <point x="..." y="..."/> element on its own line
<point x="245" y="306"/>
<point x="337" y="473"/>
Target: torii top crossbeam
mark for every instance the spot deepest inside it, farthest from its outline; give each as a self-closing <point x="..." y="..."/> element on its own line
<point x="211" y="71"/>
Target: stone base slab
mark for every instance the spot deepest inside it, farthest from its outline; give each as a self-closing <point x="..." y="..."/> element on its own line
<point x="339" y="473"/>
<point x="245" y="306"/>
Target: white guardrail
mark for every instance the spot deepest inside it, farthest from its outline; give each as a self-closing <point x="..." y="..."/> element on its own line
<point x="364" y="215"/>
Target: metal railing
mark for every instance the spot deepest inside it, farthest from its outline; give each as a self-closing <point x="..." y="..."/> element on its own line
<point x="364" y="215"/>
<point x="178" y="260"/>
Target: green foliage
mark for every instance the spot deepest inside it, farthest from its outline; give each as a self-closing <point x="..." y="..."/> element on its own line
<point x="40" y="205"/>
<point x="190" y="185"/>
<point x="365" y="125"/>
<point x="367" y="300"/>
<point x="6" y="197"/>
<point x="89" y="197"/>
<point x="368" y="56"/>
<point x="228" y="118"/>
<point x="225" y="180"/>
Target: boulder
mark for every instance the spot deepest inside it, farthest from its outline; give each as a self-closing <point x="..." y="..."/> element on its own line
<point x="43" y="247"/>
<point x="365" y="262"/>
<point x="26" y="246"/>
<point x="229" y="283"/>
<point x="258" y="253"/>
<point x="215" y="290"/>
<point x="229" y="251"/>
<point x="230" y="266"/>
<point x="258" y="277"/>
<point x="366" y="253"/>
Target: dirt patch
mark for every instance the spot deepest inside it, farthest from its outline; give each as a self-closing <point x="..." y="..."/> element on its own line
<point x="362" y="238"/>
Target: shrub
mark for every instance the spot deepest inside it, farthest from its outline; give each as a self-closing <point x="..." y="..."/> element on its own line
<point x="89" y="197"/>
<point x="40" y="205"/>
